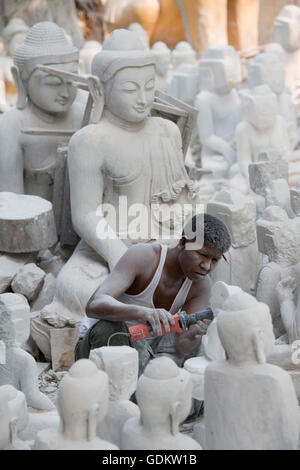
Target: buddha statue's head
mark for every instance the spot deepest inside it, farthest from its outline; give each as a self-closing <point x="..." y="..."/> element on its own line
<point x="278" y="236"/>
<point x="14" y="34"/>
<point x="82" y="400"/>
<point x="224" y="66"/>
<point x="245" y="329"/>
<point x="121" y="363"/>
<point x="162" y="56"/>
<point x="260" y="107"/>
<point x="164" y="394"/>
<point x="287" y="28"/>
<point x="267" y="69"/>
<point x="238" y="212"/>
<point x="45" y="44"/>
<point x="127" y="76"/>
<point x="142" y="33"/>
<point x="183" y="54"/>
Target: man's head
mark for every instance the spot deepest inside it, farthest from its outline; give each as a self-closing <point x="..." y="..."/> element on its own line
<point x="204" y="241"/>
<point x="45" y="44"/>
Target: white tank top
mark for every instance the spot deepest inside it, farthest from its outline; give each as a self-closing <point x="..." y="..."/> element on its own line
<point x="145" y="298"/>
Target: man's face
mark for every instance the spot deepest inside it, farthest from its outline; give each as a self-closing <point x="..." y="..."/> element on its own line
<point x="132" y="93"/>
<point x="196" y="264"/>
<point x="51" y="93"/>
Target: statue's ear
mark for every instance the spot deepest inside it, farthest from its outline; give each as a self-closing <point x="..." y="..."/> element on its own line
<point x="97" y="92"/>
<point x="92" y="421"/>
<point x="175" y="412"/>
<point x="22" y="94"/>
<point x="258" y="346"/>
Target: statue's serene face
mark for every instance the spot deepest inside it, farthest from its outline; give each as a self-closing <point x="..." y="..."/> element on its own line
<point x="50" y="93"/>
<point x="131" y="94"/>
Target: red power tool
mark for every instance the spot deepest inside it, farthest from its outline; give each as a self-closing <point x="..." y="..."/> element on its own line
<point x="182" y="323"/>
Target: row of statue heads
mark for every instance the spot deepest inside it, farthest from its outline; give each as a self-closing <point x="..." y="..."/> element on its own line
<point x="94" y="412"/>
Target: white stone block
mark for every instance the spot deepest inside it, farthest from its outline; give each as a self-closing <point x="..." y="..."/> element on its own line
<point x="29" y="281"/>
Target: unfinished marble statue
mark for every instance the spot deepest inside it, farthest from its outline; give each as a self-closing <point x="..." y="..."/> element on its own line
<point x="13" y="35"/>
<point x="262" y="127"/>
<point x="259" y="421"/>
<point x="268" y="178"/>
<point x="82" y="402"/>
<point x="27" y="163"/>
<point x="164" y="396"/>
<point x="211" y="347"/>
<point x="268" y="69"/>
<point x="121" y="365"/>
<point x="278" y="237"/>
<point x="141" y="32"/>
<point x="290" y="305"/>
<point x="87" y="54"/>
<point x="183" y="54"/>
<point x="287" y="34"/>
<point x="13" y="418"/>
<point x="184" y="84"/>
<point x="162" y="56"/>
<point x="238" y="212"/>
<point x="20" y="368"/>
<point x="219" y="108"/>
<point x="127" y="168"/>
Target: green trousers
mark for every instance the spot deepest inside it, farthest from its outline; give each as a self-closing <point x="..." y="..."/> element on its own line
<point x="107" y="333"/>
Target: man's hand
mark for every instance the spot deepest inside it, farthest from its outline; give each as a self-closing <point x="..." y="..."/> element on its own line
<point x="156" y="315"/>
<point x="285" y="289"/>
<point x="189" y="341"/>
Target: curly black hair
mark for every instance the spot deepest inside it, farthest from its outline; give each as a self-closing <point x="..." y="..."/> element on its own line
<point x="216" y="234"/>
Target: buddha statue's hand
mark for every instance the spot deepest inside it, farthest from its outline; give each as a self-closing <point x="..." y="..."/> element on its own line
<point x="285" y="289"/>
<point x="156" y="316"/>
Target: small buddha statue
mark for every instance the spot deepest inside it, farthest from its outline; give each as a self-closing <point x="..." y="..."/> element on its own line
<point x="121" y="365"/>
<point x="162" y="56"/>
<point x="20" y="368"/>
<point x="268" y="69"/>
<point x="13" y="418"/>
<point x="219" y="108"/>
<point x="278" y="238"/>
<point x="13" y="35"/>
<point x="243" y="260"/>
<point x="164" y="394"/>
<point x="27" y="163"/>
<point x="286" y="34"/>
<point x="82" y="402"/>
<point x="262" y="128"/>
<point x="244" y="394"/>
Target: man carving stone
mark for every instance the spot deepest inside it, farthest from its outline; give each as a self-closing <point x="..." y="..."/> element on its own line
<point x="150" y="284"/>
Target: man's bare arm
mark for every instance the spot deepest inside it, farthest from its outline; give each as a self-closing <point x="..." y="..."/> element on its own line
<point x="104" y="304"/>
<point x="188" y="342"/>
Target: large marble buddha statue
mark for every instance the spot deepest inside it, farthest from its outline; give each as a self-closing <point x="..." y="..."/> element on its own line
<point x="27" y="162"/>
<point x="127" y="156"/>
